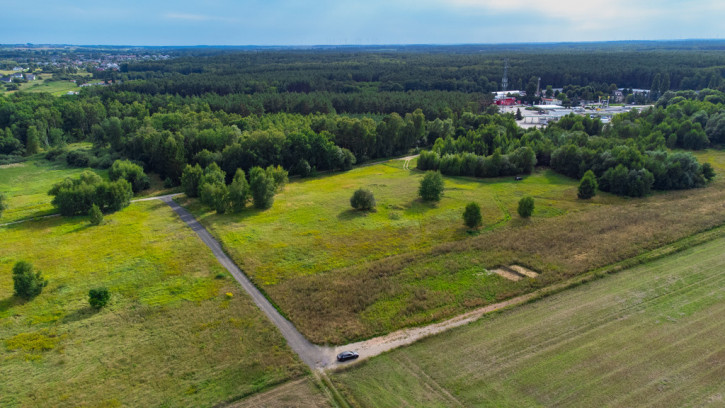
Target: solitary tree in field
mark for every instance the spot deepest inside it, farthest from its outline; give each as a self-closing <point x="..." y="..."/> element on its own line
<point x="519" y="116"/>
<point x="98" y="297"/>
<point x="96" y="215"/>
<point x="26" y="282"/>
<point x="472" y="216"/>
<point x="431" y="187"/>
<point x="526" y="207"/>
<point x="588" y="185"/>
<point x="362" y="200"/>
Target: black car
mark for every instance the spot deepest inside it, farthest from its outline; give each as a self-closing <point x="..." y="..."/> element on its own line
<point x="347" y="355"/>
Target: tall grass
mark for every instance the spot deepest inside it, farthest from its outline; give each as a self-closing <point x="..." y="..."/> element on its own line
<point x="341" y="276"/>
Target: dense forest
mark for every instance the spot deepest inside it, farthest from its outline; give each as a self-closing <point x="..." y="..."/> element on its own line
<point x="317" y="110"/>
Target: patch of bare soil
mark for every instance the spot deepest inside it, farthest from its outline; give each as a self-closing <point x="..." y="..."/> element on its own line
<point x="515" y="272"/>
<point x="7" y="166"/>
<point x="523" y="271"/>
<point x="507" y="274"/>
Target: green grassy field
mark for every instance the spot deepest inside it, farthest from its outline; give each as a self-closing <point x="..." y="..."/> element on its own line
<point x="341" y="275"/>
<point x="26" y="185"/>
<point x="650" y="336"/>
<point x="178" y="330"/>
<point x="312" y="228"/>
<point x="43" y="83"/>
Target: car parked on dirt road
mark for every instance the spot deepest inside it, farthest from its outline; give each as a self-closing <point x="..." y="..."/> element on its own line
<point x="347" y="355"/>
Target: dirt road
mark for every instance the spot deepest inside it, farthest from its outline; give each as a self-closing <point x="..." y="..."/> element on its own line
<point x="315" y="356"/>
<point x="309" y="353"/>
<point x="322" y="357"/>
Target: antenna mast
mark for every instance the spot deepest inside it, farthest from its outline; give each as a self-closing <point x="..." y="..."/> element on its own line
<point x="505" y="79"/>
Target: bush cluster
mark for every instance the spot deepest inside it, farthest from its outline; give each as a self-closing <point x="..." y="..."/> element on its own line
<point x="131" y="172"/>
<point x="363" y="200"/>
<point x="521" y="161"/>
<point x="210" y="186"/>
<point x="77" y="196"/>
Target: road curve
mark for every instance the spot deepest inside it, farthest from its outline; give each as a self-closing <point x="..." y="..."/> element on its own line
<point x="311" y="354"/>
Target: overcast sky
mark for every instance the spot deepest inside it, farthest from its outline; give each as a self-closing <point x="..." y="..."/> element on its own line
<point x="295" y="22"/>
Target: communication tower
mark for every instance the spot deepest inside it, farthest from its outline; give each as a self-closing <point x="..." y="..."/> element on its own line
<point x="505" y="79"/>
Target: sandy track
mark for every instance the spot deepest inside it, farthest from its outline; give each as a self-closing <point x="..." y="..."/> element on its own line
<point x="377" y="345"/>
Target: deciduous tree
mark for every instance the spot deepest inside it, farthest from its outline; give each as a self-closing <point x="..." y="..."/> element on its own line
<point x="262" y="188"/>
<point x="431" y="187"/>
<point x="363" y="200"/>
<point x="26" y="281"/>
<point x="587" y="186"/>
<point x="472" y="216"/>
<point x="526" y="207"/>
<point x="95" y="214"/>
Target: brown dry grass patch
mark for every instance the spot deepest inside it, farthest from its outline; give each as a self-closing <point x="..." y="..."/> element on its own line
<point x="330" y="307"/>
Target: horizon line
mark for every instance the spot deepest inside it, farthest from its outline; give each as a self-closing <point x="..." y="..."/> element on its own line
<point x="34" y="44"/>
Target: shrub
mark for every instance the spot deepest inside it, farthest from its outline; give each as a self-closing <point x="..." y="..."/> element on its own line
<point x="472" y="216"/>
<point x="98" y="297"/>
<point x="26" y="282"/>
<point x="279" y="175"/>
<point x="78" y="158"/>
<point x="131" y="172"/>
<point x="587" y="186"/>
<point x="54" y="153"/>
<point x="362" y="200"/>
<point x="707" y="172"/>
<point x="96" y="215"/>
<point x="526" y="207"/>
<point x="303" y="168"/>
<point x="431" y="187"/>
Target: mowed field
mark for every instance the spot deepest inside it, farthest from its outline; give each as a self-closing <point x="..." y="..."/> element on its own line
<point x="26" y="187"/>
<point x="178" y="330"/>
<point x="341" y="275"/>
<point x="650" y="336"/>
<point x="43" y="83"/>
